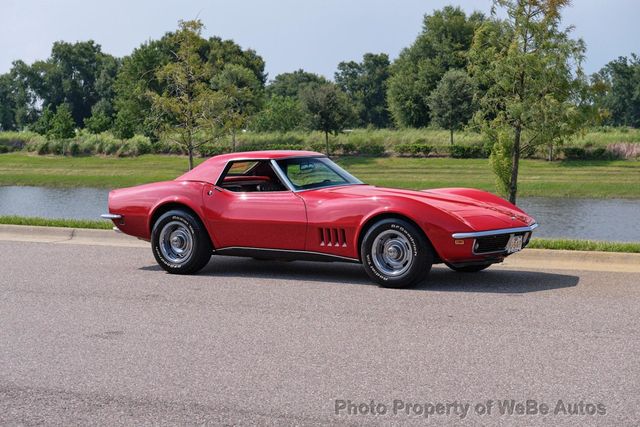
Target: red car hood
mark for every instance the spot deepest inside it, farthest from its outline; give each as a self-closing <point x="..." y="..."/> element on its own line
<point x="478" y="209"/>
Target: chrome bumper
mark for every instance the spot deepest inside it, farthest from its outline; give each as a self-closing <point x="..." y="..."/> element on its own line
<point x="110" y="216"/>
<point x="476" y="234"/>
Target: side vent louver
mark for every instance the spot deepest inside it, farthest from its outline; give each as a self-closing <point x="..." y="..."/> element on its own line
<point x="332" y="237"/>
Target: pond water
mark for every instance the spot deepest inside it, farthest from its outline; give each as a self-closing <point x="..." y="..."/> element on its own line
<point x="598" y="219"/>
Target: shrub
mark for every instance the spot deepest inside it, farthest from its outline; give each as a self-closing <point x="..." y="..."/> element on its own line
<point x="371" y="148"/>
<point x="599" y="153"/>
<point x="468" y="152"/>
<point x="72" y="148"/>
<point x="140" y="145"/>
<point x="42" y="147"/>
<point x="347" y="148"/>
<point x="413" y="149"/>
<point x="574" y="153"/>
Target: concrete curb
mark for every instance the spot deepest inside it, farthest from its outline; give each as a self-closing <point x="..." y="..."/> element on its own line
<point x="76" y="236"/>
<point x="575" y="260"/>
<point x="538" y="259"/>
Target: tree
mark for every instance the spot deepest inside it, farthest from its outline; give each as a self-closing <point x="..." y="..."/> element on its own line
<point x="243" y="92"/>
<point x="534" y="95"/>
<point x="366" y="85"/>
<point x="328" y="108"/>
<point x="188" y="111"/>
<point x="291" y="84"/>
<point x="138" y="77"/>
<point x="620" y="97"/>
<point x="62" y="125"/>
<point x="7" y="103"/>
<point x="451" y="102"/>
<point x="98" y="122"/>
<point x="279" y="114"/>
<point x="77" y="74"/>
<point x="446" y="37"/>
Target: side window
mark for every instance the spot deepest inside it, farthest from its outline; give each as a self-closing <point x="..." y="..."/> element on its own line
<point x="251" y="176"/>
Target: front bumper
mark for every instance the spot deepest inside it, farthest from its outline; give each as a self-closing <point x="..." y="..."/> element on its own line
<point x="476" y="234"/>
<point x="495" y="242"/>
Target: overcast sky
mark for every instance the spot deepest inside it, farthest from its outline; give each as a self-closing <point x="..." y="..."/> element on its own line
<point x="289" y="34"/>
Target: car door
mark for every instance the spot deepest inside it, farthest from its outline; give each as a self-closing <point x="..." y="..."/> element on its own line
<point x="255" y="219"/>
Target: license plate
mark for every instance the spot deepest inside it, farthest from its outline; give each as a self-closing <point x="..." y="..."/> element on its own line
<point x="514" y="244"/>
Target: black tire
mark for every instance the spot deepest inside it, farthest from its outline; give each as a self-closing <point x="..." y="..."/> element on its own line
<point x="186" y="258"/>
<point x="388" y="268"/>
<point x="468" y="268"/>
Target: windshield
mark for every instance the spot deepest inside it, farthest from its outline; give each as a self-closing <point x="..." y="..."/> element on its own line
<point x="306" y="173"/>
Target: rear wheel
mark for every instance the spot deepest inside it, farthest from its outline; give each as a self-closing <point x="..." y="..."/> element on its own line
<point x="180" y="243"/>
<point x="468" y="268"/>
<point x="395" y="254"/>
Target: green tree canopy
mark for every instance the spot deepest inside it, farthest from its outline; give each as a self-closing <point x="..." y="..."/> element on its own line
<point x="451" y="102"/>
<point x="366" y="85"/>
<point x="291" y="84"/>
<point x="279" y="114"/>
<point x="446" y="37"/>
<point x="77" y="74"/>
<point x="620" y="97"/>
<point x="138" y="76"/>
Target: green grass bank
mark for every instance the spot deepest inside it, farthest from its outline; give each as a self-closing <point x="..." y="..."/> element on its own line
<point x="583" y="179"/>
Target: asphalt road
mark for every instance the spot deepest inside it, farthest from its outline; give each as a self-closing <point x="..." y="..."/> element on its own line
<point x="100" y="335"/>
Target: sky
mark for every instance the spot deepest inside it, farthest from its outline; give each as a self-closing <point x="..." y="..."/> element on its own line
<point x="289" y="34"/>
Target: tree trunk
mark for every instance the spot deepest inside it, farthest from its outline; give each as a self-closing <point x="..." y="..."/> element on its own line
<point x="551" y="152"/>
<point x="190" y="149"/>
<point x="515" y="163"/>
<point x="233" y="140"/>
<point x="326" y="141"/>
<point x="451" y="136"/>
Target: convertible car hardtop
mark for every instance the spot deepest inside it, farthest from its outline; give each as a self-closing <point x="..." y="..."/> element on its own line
<point x="301" y="205"/>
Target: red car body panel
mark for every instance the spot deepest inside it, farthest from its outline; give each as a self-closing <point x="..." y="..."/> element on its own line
<point x="330" y="220"/>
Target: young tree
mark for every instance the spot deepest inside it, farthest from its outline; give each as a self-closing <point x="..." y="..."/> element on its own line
<point x="328" y="108"/>
<point x="534" y="83"/>
<point x="62" y="125"/>
<point x="366" y="85"/>
<point x="451" y="102"/>
<point x="446" y="37"/>
<point x="188" y="111"/>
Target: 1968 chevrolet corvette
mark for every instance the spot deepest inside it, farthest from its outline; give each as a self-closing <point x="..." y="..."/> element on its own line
<point x="299" y="205"/>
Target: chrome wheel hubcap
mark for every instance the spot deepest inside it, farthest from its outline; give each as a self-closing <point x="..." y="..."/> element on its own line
<point x="391" y="253"/>
<point x="176" y="242"/>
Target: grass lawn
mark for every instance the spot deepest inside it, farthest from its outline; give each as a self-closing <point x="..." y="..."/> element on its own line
<point x="598" y="179"/>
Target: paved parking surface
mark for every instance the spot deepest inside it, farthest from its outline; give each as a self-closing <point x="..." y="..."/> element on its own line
<point x="100" y="335"/>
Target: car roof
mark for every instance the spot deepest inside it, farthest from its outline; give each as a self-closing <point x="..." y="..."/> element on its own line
<point x="209" y="170"/>
<point x="265" y="154"/>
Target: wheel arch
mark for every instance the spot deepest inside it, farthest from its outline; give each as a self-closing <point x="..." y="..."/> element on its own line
<point x="165" y="207"/>
<point x="391" y="215"/>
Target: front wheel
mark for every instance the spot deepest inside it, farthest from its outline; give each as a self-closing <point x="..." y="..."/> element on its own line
<point x="395" y="254"/>
<point x="468" y="268"/>
<point x="180" y="243"/>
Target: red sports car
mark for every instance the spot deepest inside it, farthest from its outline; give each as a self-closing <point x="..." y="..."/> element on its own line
<point x="300" y="205"/>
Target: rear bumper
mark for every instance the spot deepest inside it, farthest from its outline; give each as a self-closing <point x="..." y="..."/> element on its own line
<point x="110" y="216"/>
